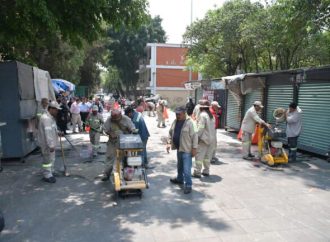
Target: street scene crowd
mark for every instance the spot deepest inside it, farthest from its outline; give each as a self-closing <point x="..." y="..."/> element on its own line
<point x="192" y="134"/>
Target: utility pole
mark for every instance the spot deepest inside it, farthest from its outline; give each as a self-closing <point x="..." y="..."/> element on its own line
<point x="191" y="20"/>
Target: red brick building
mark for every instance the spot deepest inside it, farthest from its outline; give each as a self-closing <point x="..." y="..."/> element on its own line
<point x="164" y="72"/>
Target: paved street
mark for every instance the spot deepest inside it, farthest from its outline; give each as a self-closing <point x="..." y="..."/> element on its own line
<point x="240" y="201"/>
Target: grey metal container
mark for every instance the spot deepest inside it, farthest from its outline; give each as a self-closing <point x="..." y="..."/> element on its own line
<point x="130" y="141"/>
<point x="17" y="108"/>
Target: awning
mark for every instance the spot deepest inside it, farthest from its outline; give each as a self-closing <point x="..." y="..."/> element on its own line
<point x="244" y="83"/>
<point x="61" y="85"/>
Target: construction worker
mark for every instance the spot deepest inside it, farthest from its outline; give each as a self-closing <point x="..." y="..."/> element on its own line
<point x="95" y="122"/>
<point x="183" y="138"/>
<point x="141" y="129"/>
<point x="48" y="137"/>
<point x="160" y="111"/>
<point x="206" y="133"/>
<point x="293" y="129"/>
<point x="249" y="122"/>
<point x="115" y="125"/>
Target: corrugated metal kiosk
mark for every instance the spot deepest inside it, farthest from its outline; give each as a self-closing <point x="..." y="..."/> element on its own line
<point x="309" y="88"/>
<point x="22" y="87"/>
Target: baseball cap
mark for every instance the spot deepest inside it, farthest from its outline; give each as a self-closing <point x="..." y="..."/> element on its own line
<point x="54" y="104"/>
<point x="180" y="109"/>
<point x="258" y="103"/>
<point x="215" y="103"/>
<point x="95" y="108"/>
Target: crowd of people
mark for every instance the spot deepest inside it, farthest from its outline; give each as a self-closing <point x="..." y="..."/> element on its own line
<point x="192" y="133"/>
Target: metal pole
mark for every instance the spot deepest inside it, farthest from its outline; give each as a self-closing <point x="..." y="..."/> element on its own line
<point x="191" y="20"/>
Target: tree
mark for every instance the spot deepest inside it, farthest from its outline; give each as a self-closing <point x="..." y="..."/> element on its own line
<point x="127" y="47"/>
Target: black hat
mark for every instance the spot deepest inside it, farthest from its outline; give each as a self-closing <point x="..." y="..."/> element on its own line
<point x="181" y="109"/>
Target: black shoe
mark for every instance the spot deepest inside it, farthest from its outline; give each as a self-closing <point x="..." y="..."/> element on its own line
<point x="105" y="178"/>
<point x="205" y="174"/>
<point x="176" y="181"/>
<point x="247" y="158"/>
<point x="49" y="180"/>
<point x="196" y="175"/>
<point x="187" y="190"/>
<point x="251" y="155"/>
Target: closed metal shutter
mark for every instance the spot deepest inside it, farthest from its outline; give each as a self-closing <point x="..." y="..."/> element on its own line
<point x="250" y="98"/>
<point x="233" y="120"/>
<point x="314" y="100"/>
<point x="279" y="96"/>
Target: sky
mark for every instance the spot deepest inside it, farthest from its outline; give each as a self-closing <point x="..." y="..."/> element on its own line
<point x="176" y="14"/>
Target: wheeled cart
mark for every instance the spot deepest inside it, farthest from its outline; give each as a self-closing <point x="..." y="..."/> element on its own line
<point x="129" y="175"/>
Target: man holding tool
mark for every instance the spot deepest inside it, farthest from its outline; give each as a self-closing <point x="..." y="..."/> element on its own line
<point x="47" y="137"/>
<point x="95" y="122"/>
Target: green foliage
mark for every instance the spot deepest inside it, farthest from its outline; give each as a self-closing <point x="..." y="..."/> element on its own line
<point x="127" y="47"/>
<point x="251" y="37"/>
<point x="62" y="36"/>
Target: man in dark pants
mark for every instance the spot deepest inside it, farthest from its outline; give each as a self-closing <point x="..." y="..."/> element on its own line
<point x="85" y="107"/>
<point x="183" y="137"/>
<point x="293" y="129"/>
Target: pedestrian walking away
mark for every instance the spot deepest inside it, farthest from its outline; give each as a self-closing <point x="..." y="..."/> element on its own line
<point x="85" y="108"/>
<point x="142" y="130"/>
<point x="48" y="139"/>
<point x="183" y="138"/>
<point x="249" y="122"/>
<point x="95" y="122"/>
<point x="75" y="114"/>
<point x="293" y="129"/>
<point x="215" y="109"/>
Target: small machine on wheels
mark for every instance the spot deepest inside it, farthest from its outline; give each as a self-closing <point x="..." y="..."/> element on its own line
<point x="270" y="145"/>
<point x="129" y="175"/>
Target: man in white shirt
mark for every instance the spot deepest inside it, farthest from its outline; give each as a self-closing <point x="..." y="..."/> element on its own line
<point x="249" y="122"/>
<point x="293" y="129"/>
<point x="75" y="114"/>
<point x="85" y="108"/>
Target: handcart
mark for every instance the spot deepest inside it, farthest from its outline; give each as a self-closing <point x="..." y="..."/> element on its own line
<point x="129" y="175"/>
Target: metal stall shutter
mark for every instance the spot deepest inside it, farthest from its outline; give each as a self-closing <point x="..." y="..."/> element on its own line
<point x="314" y="100"/>
<point x="279" y="96"/>
<point x="256" y="95"/>
<point x="233" y="120"/>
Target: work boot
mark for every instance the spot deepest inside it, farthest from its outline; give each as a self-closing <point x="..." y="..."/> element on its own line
<point x="105" y="177"/>
<point x="49" y="180"/>
<point x="195" y="175"/>
<point x="251" y="155"/>
<point x="187" y="190"/>
<point x="205" y="174"/>
<point x="176" y="181"/>
<point x="247" y="158"/>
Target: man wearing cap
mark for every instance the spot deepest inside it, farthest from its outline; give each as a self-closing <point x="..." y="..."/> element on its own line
<point x="206" y="138"/>
<point x="215" y="109"/>
<point x="115" y="125"/>
<point x="95" y="122"/>
<point x="47" y="138"/>
<point x="249" y="122"/>
<point x="293" y="129"/>
<point x="142" y="130"/>
<point x="183" y="138"/>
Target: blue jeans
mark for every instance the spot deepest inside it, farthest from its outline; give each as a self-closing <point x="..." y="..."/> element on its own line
<point x="144" y="153"/>
<point x="184" y="168"/>
<point x="292" y="143"/>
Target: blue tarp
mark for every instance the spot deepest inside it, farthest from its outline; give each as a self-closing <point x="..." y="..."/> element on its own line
<point x="63" y="86"/>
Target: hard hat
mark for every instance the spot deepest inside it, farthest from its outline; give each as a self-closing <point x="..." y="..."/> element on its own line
<point x="215" y="103"/>
<point x="54" y="104"/>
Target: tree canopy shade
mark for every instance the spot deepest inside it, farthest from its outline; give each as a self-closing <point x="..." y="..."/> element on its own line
<point x="127" y="48"/>
<point x="26" y="24"/>
<point x="251" y="37"/>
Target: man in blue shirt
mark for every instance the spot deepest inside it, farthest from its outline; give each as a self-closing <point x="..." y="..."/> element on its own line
<point x="141" y="126"/>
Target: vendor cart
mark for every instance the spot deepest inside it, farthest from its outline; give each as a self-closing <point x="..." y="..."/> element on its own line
<point x="129" y="175"/>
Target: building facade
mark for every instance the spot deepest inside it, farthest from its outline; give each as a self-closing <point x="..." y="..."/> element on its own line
<point x="164" y="72"/>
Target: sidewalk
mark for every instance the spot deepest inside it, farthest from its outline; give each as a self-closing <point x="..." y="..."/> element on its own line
<point x="240" y="201"/>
